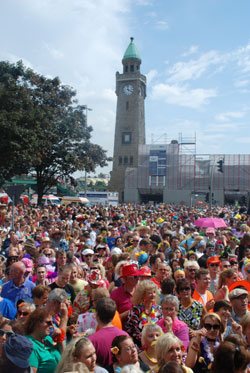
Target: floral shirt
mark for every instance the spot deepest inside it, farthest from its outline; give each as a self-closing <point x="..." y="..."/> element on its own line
<point x="136" y="321"/>
<point x="192" y="315"/>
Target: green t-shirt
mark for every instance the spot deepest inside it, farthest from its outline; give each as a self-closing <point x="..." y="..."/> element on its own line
<point x="45" y="356"/>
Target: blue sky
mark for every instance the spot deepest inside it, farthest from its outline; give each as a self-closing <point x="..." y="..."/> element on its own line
<point x="195" y="54"/>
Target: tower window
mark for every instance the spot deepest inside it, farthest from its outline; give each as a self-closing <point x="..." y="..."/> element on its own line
<point x="125" y="160"/>
<point x="137" y="67"/>
<point x="127" y="105"/>
<point x="126" y="138"/>
<point x="126" y="68"/>
<point x="120" y="160"/>
<point x="132" y="68"/>
<point x="131" y="160"/>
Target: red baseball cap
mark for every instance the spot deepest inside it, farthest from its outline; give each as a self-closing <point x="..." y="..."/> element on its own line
<point x="213" y="260"/>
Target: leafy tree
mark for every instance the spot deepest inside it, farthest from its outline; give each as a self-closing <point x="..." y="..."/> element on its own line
<point x="50" y="133"/>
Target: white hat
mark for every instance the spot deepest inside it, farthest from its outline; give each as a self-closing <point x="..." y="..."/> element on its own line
<point x="116" y="250"/>
<point x="87" y="251"/>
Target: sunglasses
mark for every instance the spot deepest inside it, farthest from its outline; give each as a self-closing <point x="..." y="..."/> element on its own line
<point x="8" y="334"/>
<point x="13" y="258"/>
<point x="191" y="270"/>
<point x="214" y="265"/>
<point x="49" y="323"/>
<point x="226" y="265"/>
<point x="25" y="313"/>
<point x="88" y="255"/>
<point x="210" y="326"/>
<point x="135" y="240"/>
<point x="233" y="263"/>
<point x="185" y="289"/>
<point x="48" y="254"/>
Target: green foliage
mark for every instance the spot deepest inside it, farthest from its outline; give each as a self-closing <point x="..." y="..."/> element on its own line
<point x="43" y="129"/>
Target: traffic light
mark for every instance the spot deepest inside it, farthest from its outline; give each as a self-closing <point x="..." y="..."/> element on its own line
<point x="220" y="165"/>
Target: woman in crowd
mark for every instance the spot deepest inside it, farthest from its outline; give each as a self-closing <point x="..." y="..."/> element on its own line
<point x="124" y="352"/>
<point x="145" y="309"/>
<point x="245" y="324"/>
<point x="150" y="334"/>
<point x="45" y="355"/>
<point x="24" y="309"/>
<point x="80" y="350"/>
<point x="169" y="348"/>
<point x="190" y="310"/>
<point x="5" y="332"/>
<point x="223" y="308"/>
<point x="201" y="351"/>
<point x="226" y="279"/>
<point x="77" y="283"/>
<point x="170" y="321"/>
<point x="231" y="358"/>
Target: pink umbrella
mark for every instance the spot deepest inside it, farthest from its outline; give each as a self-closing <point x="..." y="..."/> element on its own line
<point x="210" y="222"/>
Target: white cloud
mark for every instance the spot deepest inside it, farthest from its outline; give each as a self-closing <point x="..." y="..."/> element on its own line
<point x="182" y="96"/>
<point x="54" y="52"/>
<point x="242" y="55"/>
<point x="242" y="83"/>
<point x="193" y="49"/>
<point x="223" y="127"/>
<point x="222" y="117"/>
<point x="161" y="25"/>
<point x="151" y="75"/>
<point x="193" y="69"/>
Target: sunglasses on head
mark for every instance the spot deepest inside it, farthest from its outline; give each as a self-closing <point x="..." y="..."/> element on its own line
<point x="8" y="334"/>
<point x="214" y="265"/>
<point x="210" y="326"/>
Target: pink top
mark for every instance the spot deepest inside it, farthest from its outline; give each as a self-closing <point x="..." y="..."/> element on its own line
<point x="122" y="299"/>
<point x="179" y="329"/>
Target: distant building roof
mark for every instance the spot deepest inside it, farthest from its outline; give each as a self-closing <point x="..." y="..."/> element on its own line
<point x="131" y="51"/>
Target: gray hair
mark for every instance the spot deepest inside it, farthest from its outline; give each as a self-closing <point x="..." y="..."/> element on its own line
<point x="57" y="294"/>
<point x="171" y="299"/>
<point x="31" y="307"/>
<point x="193" y="263"/>
<point x="131" y="368"/>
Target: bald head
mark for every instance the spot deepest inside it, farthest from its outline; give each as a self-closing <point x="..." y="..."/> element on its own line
<point x="17" y="271"/>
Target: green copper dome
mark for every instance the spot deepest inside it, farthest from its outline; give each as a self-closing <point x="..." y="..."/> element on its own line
<point x="131" y="51"/>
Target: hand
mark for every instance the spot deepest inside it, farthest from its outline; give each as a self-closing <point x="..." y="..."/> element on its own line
<point x="63" y="310"/>
<point x="210" y="304"/>
<point x="236" y="328"/>
<point x="56" y="332"/>
<point x="168" y="324"/>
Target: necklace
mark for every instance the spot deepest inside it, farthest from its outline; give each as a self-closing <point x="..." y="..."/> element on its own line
<point x="143" y="316"/>
<point x="152" y="359"/>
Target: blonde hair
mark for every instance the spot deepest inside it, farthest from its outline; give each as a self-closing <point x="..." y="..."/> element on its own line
<point x="245" y="321"/>
<point x="149" y="328"/>
<point x="72" y="350"/>
<point x="139" y="293"/>
<point x="163" y="345"/>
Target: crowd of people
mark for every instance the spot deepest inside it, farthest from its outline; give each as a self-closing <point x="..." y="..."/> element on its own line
<point x="133" y="288"/>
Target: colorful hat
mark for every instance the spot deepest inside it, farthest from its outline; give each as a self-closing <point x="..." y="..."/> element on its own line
<point x="213" y="260"/>
<point x="87" y="252"/>
<point x="210" y="230"/>
<point x="95" y="277"/>
<point x="28" y="264"/>
<point x="130" y="270"/>
<point x="145" y="272"/>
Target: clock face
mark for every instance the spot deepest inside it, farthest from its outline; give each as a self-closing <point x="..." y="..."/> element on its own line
<point x="128" y="89"/>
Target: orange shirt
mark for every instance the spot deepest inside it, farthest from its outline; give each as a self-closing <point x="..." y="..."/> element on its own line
<point x="196" y="296"/>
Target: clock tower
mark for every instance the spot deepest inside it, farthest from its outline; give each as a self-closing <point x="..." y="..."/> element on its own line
<point x="130" y="118"/>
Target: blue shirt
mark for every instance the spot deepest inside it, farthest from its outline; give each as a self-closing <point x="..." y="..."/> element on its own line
<point x="14" y="293"/>
<point x="7" y="309"/>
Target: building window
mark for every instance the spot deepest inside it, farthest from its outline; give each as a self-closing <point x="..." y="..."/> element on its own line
<point x="126" y="138"/>
<point x="126" y="68"/>
<point x="127" y="105"/>
<point x="137" y="67"/>
<point x="120" y="160"/>
<point x="132" y="68"/>
<point x="131" y="160"/>
<point x="125" y="160"/>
